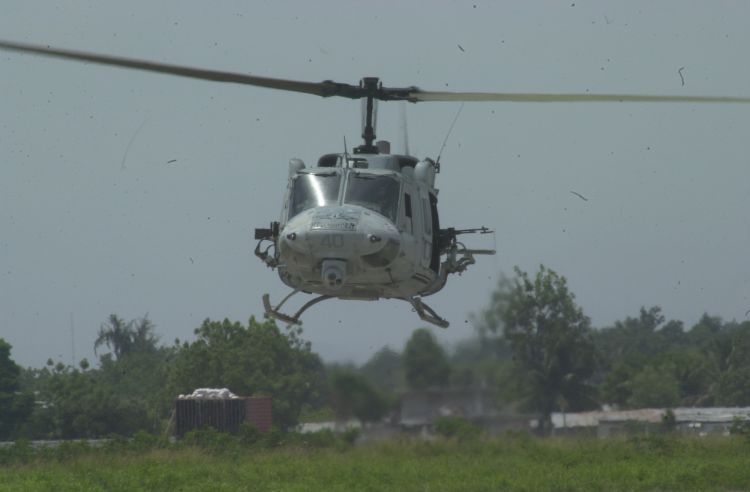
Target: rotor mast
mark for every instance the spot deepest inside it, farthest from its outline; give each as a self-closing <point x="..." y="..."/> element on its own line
<point x="371" y="86"/>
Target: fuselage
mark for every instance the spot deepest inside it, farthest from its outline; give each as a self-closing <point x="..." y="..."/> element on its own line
<point x="361" y="226"/>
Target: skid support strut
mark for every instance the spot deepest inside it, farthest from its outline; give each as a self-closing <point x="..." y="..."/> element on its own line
<point x="426" y="313"/>
<point x="275" y="312"/>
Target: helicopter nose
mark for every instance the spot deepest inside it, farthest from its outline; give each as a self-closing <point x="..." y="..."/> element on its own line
<point x="338" y="242"/>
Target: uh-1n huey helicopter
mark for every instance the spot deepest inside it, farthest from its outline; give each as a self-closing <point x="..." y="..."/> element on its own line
<point x="361" y="225"/>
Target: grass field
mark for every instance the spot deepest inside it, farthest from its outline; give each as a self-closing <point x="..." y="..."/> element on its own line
<point x="513" y="463"/>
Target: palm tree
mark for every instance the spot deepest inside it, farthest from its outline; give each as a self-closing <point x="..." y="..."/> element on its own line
<point x="143" y="338"/>
<point x="117" y="335"/>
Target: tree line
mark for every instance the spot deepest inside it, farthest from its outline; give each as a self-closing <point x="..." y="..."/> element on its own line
<point x="534" y="349"/>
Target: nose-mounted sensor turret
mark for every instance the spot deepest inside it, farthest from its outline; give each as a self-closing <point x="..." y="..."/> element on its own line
<point x="333" y="273"/>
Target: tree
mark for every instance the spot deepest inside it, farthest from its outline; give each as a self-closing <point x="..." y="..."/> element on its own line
<point x="143" y="339"/>
<point x="257" y="359"/>
<point x="733" y="388"/>
<point x="385" y="370"/>
<point x="15" y="407"/>
<point x="551" y="341"/>
<point x="636" y="337"/>
<point x="692" y="370"/>
<point x="135" y="336"/>
<point x="706" y="330"/>
<point x="353" y="396"/>
<point x="654" y="388"/>
<point x="84" y="404"/>
<point x="126" y="393"/>
<point x="425" y="361"/>
<point x="616" y="387"/>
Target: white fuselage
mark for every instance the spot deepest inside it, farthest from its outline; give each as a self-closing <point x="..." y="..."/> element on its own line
<point x="360" y="227"/>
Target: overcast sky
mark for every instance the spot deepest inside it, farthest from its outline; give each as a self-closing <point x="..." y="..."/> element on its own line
<point x="134" y="193"/>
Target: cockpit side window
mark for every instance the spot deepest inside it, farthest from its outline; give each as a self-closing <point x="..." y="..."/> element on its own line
<point x="314" y="190"/>
<point x="329" y="160"/>
<point x="378" y="193"/>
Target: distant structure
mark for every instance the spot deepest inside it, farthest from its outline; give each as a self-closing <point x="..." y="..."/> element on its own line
<point x="687" y="420"/>
<point x="222" y="410"/>
<point x="422" y="409"/>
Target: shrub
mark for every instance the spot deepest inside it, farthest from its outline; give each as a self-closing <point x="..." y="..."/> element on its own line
<point x="350" y="436"/>
<point x="668" y="421"/>
<point x="325" y="438"/>
<point x="457" y="427"/>
<point x="249" y="434"/>
<point x="741" y="427"/>
<point x="209" y="439"/>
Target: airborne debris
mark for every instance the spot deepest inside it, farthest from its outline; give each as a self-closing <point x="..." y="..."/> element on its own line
<point x="461" y="48"/>
<point x="130" y="143"/>
<point x="331" y="214"/>
<point x="579" y="196"/>
<point x="681" y="77"/>
<point x="173" y="160"/>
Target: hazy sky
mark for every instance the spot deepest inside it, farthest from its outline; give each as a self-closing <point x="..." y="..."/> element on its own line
<point x="95" y="219"/>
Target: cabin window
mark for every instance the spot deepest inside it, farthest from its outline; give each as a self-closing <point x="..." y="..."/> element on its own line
<point x="314" y="190"/>
<point x="377" y="193"/>
<point x="407" y="162"/>
<point x="329" y="160"/>
<point x="436" y="246"/>
<point x="408" y="214"/>
<point x="426" y="215"/>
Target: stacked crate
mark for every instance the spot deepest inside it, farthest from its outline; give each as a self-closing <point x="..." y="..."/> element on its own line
<point x="224" y="415"/>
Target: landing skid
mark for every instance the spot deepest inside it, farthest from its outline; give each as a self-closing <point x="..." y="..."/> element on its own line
<point x="275" y="312"/>
<point x="426" y="313"/>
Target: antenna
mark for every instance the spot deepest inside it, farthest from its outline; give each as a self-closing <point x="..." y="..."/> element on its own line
<point x="73" y="339"/>
<point x="437" y="162"/>
<point x="346" y="155"/>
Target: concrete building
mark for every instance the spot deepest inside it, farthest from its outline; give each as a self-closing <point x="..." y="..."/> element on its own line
<point x="688" y="420"/>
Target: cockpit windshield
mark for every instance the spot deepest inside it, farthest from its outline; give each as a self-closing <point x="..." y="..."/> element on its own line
<point x="314" y="190"/>
<point x="378" y="193"/>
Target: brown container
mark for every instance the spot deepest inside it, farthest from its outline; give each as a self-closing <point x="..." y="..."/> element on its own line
<point x="224" y="415"/>
<point x="259" y="412"/>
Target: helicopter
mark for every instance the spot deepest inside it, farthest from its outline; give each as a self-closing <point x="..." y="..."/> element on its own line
<point x="362" y="225"/>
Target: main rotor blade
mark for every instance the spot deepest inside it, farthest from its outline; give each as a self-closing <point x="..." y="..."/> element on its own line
<point x="329" y="88"/>
<point x="426" y="96"/>
<point x="324" y="89"/>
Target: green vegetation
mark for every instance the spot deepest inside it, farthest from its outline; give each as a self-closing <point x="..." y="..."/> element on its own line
<point x="259" y="359"/>
<point x="457" y="428"/>
<point x="551" y="341"/>
<point x="351" y="396"/>
<point x="534" y="349"/>
<point x="324" y="462"/>
<point x="425" y="363"/>
<point x="14" y="406"/>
